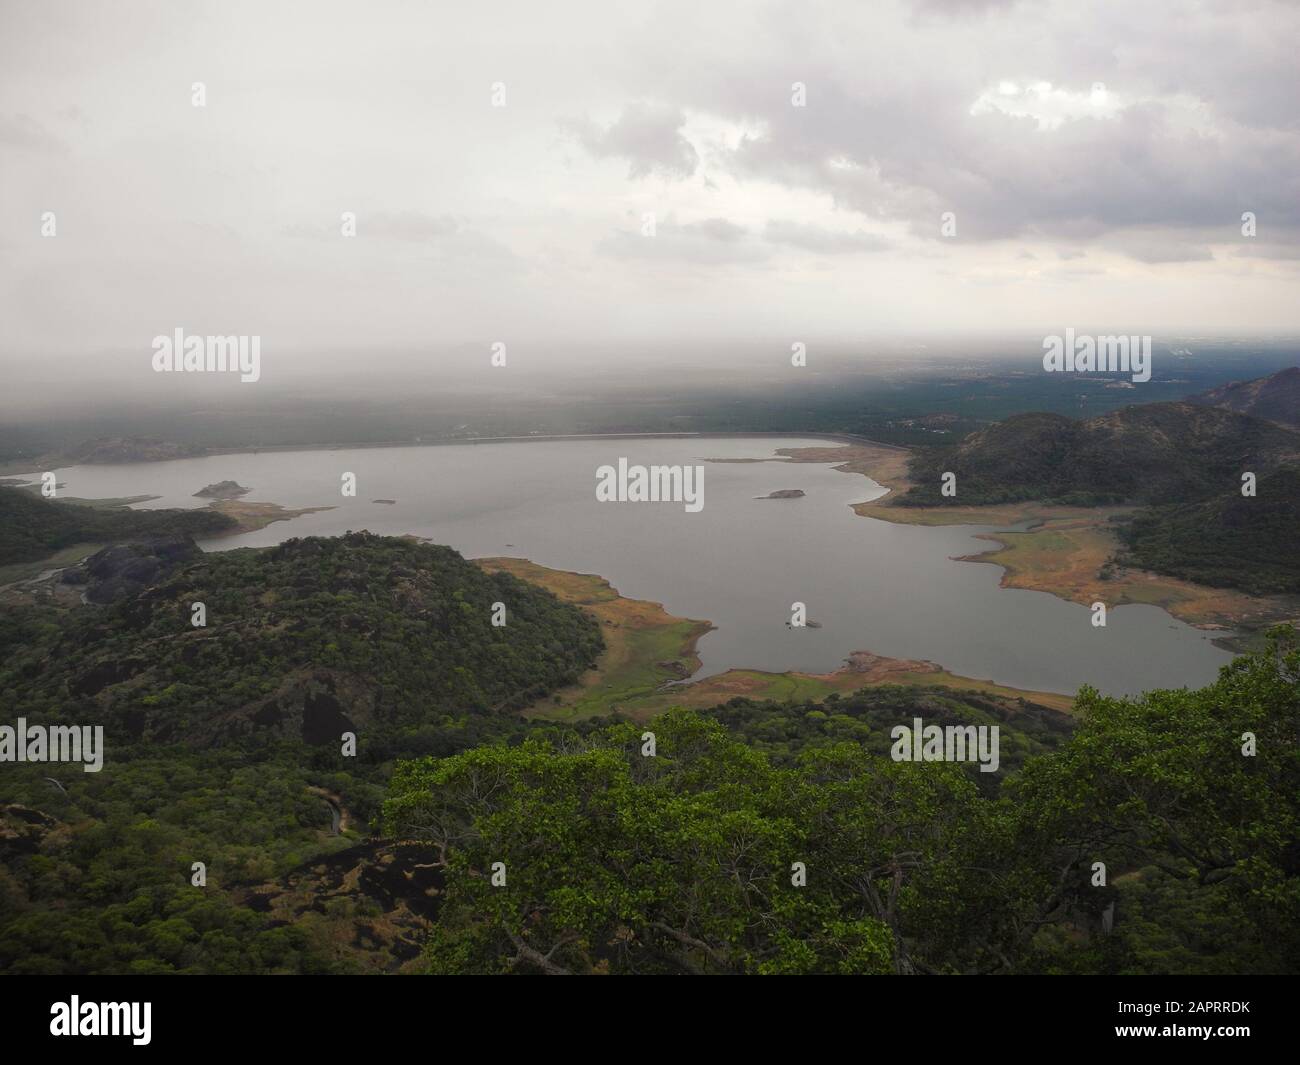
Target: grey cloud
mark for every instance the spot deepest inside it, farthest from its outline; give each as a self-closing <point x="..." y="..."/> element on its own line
<point x="1154" y="250"/>
<point x="716" y="229"/>
<point x="22" y="131"/>
<point x="648" y="136"/>
<point x="1281" y="252"/>
<point x="962" y="7"/>
<point x="311" y="230"/>
<point x="414" y="226"/>
<point x="1004" y="177"/>
<point x="1204" y="128"/>
<point x="714" y="241"/>
<point x="473" y="216"/>
<point x="824" y="241"/>
<point x="408" y="225"/>
<point x="1075" y="273"/>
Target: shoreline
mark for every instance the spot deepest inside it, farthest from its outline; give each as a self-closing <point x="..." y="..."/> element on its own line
<point x="638" y="676"/>
<point x="552" y="437"/>
<point x="1062" y="551"/>
<point x="11" y="470"/>
<point x="1067" y="551"/>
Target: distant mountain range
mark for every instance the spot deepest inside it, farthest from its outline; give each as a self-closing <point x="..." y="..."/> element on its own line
<point x="109" y="449"/>
<point x="1276" y="398"/>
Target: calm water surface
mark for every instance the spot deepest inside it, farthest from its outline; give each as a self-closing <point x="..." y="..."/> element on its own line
<point x="740" y="563"/>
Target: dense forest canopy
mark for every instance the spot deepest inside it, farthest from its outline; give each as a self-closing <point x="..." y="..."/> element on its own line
<point x="1248" y="542"/>
<point x="308" y="638"/>
<point x="1185" y="463"/>
<point x="1276" y="397"/>
<point x="32" y="528"/>
<point x="223" y="748"/>
<point x="215" y="734"/>
<point x="685" y="861"/>
<point x="1152" y="453"/>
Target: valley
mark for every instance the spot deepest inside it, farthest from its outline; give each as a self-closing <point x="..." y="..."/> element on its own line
<point x="330" y="859"/>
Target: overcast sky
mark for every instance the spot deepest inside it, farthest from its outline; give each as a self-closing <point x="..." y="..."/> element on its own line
<point x="1097" y="158"/>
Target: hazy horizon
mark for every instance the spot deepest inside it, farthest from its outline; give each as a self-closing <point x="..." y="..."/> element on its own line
<point x="500" y="164"/>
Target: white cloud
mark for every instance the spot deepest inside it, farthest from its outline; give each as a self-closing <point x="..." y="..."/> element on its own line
<point x="1050" y="106"/>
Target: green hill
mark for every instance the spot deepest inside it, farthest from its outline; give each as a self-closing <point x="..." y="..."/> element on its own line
<point x="219" y="743"/>
<point x="1276" y="397"/>
<point x="1154" y="453"/>
<point x="222" y="747"/>
<point x="1229" y="540"/>
<point x="32" y="528"/>
<point x="307" y="640"/>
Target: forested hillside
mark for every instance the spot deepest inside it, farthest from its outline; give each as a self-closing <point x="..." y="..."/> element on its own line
<point x="32" y="528"/>
<point x="215" y="735"/>
<point x="223" y="748"/>
<point x="690" y="861"/>
<point x="1155" y="453"/>
<point x="1276" y="397"/>
<point x="306" y="640"/>
<point x="1183" y="461"/>
<point x="784" y="731"/>
<point x="1250" y="542"/>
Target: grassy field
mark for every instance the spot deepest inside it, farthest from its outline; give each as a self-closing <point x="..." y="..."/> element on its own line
<point x="68" y="556"/>
<point x="646" y="647"/>
<point x="814" y="687"/>
<point x="885" y="465"/>
<point x="250" y="517"/>
<point x="1071" y="557"/>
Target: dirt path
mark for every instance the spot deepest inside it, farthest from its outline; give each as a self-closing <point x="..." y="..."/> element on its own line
<point x="342" y="818"/>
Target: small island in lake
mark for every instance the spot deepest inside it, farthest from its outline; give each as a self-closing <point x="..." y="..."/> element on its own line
<point x="784" y="493"/>
<point x="223" y="490"/>
<point x="390" y="502"/>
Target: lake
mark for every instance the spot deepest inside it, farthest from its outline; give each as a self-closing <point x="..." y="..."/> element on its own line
<point x="740" y="562"/>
